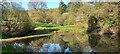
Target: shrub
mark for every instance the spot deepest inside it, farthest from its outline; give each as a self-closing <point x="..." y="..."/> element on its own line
<point x="108" y="21"/>
<point x="83" y="31"/>
<point x="26" y="29"/>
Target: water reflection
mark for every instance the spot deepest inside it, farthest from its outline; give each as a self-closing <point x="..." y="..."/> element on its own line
<point x="30" y="48"/>
<point x="18" y="45"/>
<point x="88" y="50"/>
<point x="53" y="48"/>
<point x="48" y="48"/>
<point x="67" y="51"/>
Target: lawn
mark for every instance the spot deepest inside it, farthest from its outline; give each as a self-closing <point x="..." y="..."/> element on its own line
<point x="46" y="27"/>
<point x="54" y="26"/>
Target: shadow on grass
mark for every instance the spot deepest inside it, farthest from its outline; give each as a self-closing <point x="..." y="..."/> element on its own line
<point x="45" y="31"/>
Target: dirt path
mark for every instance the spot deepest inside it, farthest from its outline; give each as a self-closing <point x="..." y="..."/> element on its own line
<point x="20" y="38"/>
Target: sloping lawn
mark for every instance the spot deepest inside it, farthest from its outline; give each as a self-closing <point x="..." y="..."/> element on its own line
<point x="66" y="27"/>
<point x="54" y="26"/>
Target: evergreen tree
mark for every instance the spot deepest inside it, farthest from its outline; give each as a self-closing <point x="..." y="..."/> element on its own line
<point x="62" y="7"/>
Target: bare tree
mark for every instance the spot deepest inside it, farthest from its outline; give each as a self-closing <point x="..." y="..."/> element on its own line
<point x="38" y="8"/>
<point x="38" y="4"/>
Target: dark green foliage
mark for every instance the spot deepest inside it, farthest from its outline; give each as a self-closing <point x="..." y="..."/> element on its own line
<point x="92" y="31"/>
<point x="62" y="7"/>
<point x="92" y="25"/>
<point x="27" y="29"/>
<point x="11" y="48"/>
<point x="93" y="39"/>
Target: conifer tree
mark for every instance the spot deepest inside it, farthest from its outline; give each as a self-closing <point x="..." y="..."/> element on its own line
<point x="62" y="7"/>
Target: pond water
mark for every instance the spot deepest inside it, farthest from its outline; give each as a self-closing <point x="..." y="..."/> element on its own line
<point x="46" y="47"/>
<point x="45" y="44"/>
<point x="50" y="48"/>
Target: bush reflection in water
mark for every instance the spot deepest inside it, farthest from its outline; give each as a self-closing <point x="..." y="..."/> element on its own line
<point x="46" y="47"/>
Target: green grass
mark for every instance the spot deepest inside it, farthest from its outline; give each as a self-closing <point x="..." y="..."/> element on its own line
<point x="38" y="24"/>
<point x="66" y="27"/>
<point x="53" y="26"/>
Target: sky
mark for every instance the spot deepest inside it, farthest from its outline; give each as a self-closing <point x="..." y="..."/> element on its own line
<point x="50" y="4"/>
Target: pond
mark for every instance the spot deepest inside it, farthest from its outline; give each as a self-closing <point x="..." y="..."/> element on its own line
<point x="62" y="41"/>
<point x="45" y="47"/>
